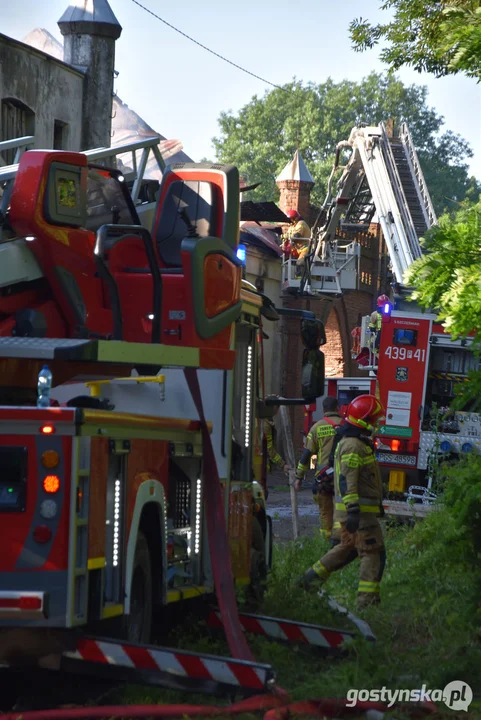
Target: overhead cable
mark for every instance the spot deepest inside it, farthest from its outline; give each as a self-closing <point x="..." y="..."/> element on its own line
<point x="221" y="57"/>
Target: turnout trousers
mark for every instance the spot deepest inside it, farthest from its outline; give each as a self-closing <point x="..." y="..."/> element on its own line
<point x="367" y="544"/>
<point x="325" y="499"/>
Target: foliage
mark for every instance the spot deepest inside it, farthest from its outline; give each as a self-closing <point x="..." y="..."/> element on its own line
<point x="462" y="494"/>
<point x="263" y="136"/>
<point x="448" y="275"/>
<point x="437" y="36"/>
<point x="447" y="279"/>
<point x="428" y="627"/>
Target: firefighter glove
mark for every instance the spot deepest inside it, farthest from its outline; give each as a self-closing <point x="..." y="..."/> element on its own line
<point x="353" y="518"/>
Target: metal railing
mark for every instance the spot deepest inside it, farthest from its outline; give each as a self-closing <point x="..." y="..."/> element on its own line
<point x="110" y="157"/>
<point x="417" y="173"/>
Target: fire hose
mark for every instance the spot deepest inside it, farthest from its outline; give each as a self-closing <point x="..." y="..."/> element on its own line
<point x="276" y="705"/>
<point x="275" y="709"/>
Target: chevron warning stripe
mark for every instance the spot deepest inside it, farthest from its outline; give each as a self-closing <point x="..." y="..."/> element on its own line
<point x="158" y="664"/>
<point x="289" y="630"/>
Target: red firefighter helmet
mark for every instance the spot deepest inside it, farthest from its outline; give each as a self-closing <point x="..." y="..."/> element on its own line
<point x="363" y="411"/>
<point x="293" y="215"/>
<point x="382" y="300"/>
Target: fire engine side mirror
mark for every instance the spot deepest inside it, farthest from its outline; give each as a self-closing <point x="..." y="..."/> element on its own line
<point x="313" y="375"/>
<point x="263" y="411"/>
<point x="313" y="334"/>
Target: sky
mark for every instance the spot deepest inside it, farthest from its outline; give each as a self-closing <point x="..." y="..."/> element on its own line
<point x="180" y="89"/>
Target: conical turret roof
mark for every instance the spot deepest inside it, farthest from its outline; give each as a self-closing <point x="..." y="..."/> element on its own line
<point x="296" y="170"/>
<point x="89" y="16"/>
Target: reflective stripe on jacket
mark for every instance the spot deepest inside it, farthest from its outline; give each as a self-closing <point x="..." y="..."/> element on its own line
<point x="270" y="433"/>
<point x="320" y="438"/>
<point x="357" y="480"/>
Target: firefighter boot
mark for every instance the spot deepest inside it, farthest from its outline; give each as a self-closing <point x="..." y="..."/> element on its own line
<point x="313" y="578"/>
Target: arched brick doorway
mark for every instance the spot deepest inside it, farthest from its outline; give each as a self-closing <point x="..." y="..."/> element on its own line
<point x="337" y="350"/>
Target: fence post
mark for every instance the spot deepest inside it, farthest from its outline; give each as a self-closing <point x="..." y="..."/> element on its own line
<point x="291" y="461"/>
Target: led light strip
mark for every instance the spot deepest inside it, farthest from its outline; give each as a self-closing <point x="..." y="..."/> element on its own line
<point x="248" y="396"/>
<point x="198" y="513"/>
<point x="116" y="523"/>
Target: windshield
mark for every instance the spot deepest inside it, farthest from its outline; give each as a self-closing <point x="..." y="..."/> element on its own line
<point x="108" y="201"/>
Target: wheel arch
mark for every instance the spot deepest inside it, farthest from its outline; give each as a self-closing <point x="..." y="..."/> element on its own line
<point x="149" y="516"/>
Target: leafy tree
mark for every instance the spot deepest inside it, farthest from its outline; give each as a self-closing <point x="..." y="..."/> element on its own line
<point x="447" y="278"/>
<point x="263" y="136"/>
<point x="437" y="36"/>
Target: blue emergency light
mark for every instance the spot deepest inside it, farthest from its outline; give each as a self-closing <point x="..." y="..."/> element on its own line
<point x="387" y="308"/>
<point x="242" y="253"/>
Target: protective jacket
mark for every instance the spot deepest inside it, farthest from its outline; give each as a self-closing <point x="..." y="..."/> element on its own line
<point x="319" y="442"/>
<point x="300" y="230"/>
<point x="375" y="321"/>
<point x="270" y="433"/>
<point x="357" y="478"/>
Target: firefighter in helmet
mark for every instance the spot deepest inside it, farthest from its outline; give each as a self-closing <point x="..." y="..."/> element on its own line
<point x="358" y="504"/>
<point x="320" y="442"/>
<point x="296" y="239"/>
<point x="375" y="324"/>
<point x="270" y="434"/>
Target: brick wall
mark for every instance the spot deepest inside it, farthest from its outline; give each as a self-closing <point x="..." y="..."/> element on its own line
<point x="295" y="195"/>
<point x="339" y="315"/>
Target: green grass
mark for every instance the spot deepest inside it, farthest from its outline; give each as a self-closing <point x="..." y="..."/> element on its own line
<point x="428" y="626"/>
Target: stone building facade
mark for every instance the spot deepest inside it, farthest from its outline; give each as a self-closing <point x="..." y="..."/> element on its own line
<point x="66" y="104"/>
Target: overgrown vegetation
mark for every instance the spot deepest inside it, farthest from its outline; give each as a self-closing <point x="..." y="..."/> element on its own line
<point x="448" y="278"/>
<point x="428" y="626"/>
<point x="437" y="36"/>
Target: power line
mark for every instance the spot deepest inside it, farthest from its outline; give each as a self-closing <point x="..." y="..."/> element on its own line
<point x="208" y="49"/>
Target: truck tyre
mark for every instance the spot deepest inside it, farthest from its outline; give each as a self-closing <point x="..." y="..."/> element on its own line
<point x="139" y="622"/>
<point x="258" y="573"/>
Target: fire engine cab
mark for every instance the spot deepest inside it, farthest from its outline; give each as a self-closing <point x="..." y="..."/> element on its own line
<point x="142" y="484"/>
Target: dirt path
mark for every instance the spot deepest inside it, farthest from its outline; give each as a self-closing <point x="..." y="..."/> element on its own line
<point x="279" y="508"/>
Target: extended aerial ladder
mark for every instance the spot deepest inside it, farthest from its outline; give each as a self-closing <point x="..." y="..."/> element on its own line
<point x="382" y="177"/>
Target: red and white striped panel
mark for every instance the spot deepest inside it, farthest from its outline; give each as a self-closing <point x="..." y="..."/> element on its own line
<point x="288" y="630"/>
<point x="180" y="664"/>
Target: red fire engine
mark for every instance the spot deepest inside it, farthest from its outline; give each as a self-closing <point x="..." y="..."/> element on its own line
<point x="115" y="499"/>
<point x="419" y="367"/>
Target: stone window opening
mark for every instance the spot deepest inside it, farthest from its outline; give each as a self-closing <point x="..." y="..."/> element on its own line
<point x="60" y="135"/>
<point x="18" y="120"/>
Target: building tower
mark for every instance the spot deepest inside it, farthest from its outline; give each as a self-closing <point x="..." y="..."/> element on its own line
<point x="90" y="30"/>
<point x="295" y="183"/>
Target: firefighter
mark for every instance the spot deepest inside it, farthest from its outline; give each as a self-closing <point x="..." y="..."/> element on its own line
<point x="320" y="442"/>
<point x="270" y="432"/>
<point x="358" y="504"/>
<point x="296" y="239"/>
<point x="375" y="324"/>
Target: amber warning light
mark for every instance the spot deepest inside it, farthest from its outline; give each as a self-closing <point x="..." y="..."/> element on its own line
<point x="51" y="484"/>
<point x="47" y="429"/>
